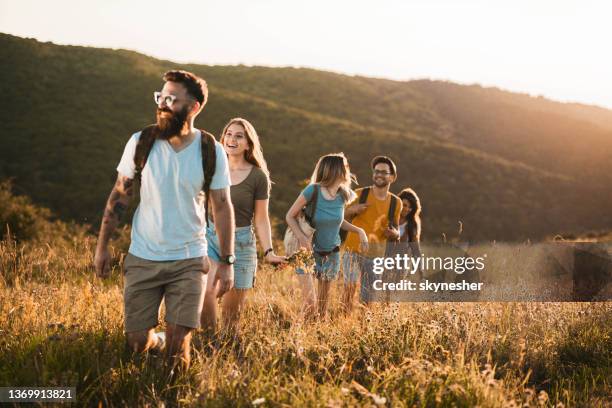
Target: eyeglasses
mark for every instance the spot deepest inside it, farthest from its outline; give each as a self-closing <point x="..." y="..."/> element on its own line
<point x="382" y="172"/>
<point x="168" y="99"/>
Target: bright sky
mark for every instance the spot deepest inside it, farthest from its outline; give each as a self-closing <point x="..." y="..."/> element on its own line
<point x="556" y="48"/>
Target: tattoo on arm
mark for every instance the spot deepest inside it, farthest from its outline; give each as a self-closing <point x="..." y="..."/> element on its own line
<point x="127" y="187"/>
<point x="116" y="207"/>
<point x="114" y="196"/>
<point x="119" y="209"/>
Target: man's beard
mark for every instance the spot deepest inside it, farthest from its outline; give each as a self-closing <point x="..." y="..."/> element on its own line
<point x="381" y="183"/>
<point x="169" y="126"/>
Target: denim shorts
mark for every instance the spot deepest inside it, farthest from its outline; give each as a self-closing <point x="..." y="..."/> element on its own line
<point x="358" y="267"/>
<point x="326" y="267"/>
<point x="245" y="249"/>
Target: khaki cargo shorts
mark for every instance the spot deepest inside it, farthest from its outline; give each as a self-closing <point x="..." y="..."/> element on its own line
<point x="181" y="283"/>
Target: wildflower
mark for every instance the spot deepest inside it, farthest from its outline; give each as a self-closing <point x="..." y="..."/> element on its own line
<point x="258" y="401"/>
<point x="234" y="374"/>
<point x="378" y="400"/>
<point x="542" y="398"/>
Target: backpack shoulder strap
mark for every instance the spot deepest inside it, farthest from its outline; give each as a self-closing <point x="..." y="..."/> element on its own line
<point x="389" y="249"/>
<point x="209" y="163"/>
<point x="311" y="205"/>
<point x="143" y="149"/>
<point x="392" y="208"/>
<point x="363" y="196"/>
<point x="209" y="158"/>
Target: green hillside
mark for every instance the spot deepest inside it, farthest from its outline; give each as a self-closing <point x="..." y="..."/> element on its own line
<point x="508" y="166"/>
<point x="557" y="137"/>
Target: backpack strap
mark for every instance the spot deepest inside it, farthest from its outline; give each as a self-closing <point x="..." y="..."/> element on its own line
<point x="391" y="247"/>
<point x="311" y="209"/>
<point x="363" y="196"/>
<point x="209" y="164"/>
<point x="392" y="208"/>
<point x="311" y="206"/>
<point x="143" y="149"/>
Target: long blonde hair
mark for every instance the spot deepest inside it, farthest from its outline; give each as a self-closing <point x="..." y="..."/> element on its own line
<point x="254" y="154"/>
<point x="332" y="167"/>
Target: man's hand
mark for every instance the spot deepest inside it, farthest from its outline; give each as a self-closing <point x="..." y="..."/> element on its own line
<point x="357" y="209"/>
<point x="391" y="233"/>
<point x="225" y="278"/>
<point x="102" y="261"/>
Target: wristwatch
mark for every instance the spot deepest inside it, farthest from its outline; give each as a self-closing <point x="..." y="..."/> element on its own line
<point x="229" y="259"/>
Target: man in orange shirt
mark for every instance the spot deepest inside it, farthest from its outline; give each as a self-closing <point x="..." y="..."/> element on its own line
<point x="377" y="211"/>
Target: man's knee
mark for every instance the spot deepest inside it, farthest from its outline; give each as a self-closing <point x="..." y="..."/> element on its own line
<point x="138" y="340"/>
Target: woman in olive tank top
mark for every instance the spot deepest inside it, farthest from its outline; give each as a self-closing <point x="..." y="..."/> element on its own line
<point x="249" y="194"/>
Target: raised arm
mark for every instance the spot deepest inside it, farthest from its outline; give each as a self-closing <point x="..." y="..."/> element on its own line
<point x="354" y="208"/>
<point x="223" y="214"/>
<point x="116" y="205"/>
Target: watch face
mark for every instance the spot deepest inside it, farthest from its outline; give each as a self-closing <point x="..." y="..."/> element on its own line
<point x="231" y="259"/>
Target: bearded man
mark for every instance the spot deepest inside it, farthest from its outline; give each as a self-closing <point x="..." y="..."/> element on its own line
<point x="179" y="169"/>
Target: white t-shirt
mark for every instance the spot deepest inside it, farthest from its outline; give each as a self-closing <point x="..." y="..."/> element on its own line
<point x="170" y="221"/>
<point x="402" y="228"/>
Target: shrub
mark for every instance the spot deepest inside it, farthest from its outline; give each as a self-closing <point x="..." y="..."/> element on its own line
<point x="18" y="216"/>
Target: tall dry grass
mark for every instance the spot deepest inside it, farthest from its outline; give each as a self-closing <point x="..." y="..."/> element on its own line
<point x="60" y="326"/>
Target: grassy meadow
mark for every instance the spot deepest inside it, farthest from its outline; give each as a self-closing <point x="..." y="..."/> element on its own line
<point x="60" y="326"/>
<point x="501" y="175"/>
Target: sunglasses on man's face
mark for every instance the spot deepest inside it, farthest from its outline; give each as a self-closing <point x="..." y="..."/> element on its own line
<point x="382" y="172"/>
<point x="167" y="99"/>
